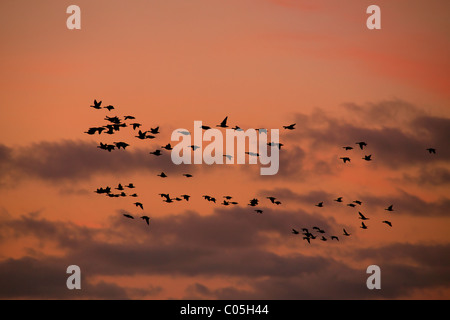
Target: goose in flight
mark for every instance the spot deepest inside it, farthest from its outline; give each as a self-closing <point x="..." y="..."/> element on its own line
<point x="361" y="144"/>
<point x="120" y="187"/>
<point x="358" y="202"/>
<point x="146" y="219"/>
<point x="346" y="233"/>
<point x="128" y="216"/>
<point x="319" y="230"/>
<point x="187" y="175"/>
<point x="323" y="238"/>
<point x="362" y="217"/>
<point x="272" y="199"/>
<point x="194" y="147"/>
<point x="97" y="105"/>
<point x="237" y="128"/>
<point x="295" y="231"/>
<point x="335" y="238"/>
<point x="253" y="154"/>
<point x="142" y="135"/>
<point x="431" y="150"/>
<point x="347" y="148"/>
<point x="138" y="204"/>
<point x="205" y="127"/>
<point x="368" y="158"/>
<point x="156" y="152"/>
<point x="122" y="145"/>
<point x="307" y="239"/>
<point x="154" y="130"/>
<point x="110" y="107"/>
<point x="387" y="222"/>
<point x="351" y="205"/>
<point x="129" y="118"/>
<point x="338" y="199"/>
<point x="130" y="185"/>
<point x="223" y="124"/>
<point x="162" y="175"/>
<point x="363" y="226"/>
<point x="320" y="204"/>
<point x="345" y="159"/>
<point x="136" y="125"/>
<point x="289" y="127"/>
<point x="167" y="147"/>
<point x="185" y="197"/>
<point x="258" y="211"/>
<point x="390" y="208"/>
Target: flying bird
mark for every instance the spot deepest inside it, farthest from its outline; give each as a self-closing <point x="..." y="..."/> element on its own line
<point x="362" y="217"/>
<point x="272" y="199"/>
<point x="138" y="204"/>
<point x="258" y="210"/>
<point x="363" y="226"/>
<point x="223" y="124"/>
<point x="146" y="219"/>
<point x="347" y="148"/>
<point x="187" y="175"/>
<point x="335" y="238"/>
<point x="194" y="147"/>
<point x="162" y="175"/>
<point x="128" y="216"/>
<point x="156" y="152"/>
<point x="96" y="105"/>
<point x="154" y="130"/>
<point x="390" y="208"/>
<point x="351" y="205"/>
<point x="368" y="158"/>
<point x="136" y="125"/>
<point x="295" y="231"/>
<point x="186" y="197"/>
<point x="346" y="233"/>
<point x="110" y="107"/>
<point x="358" y="202"/>
<point x="320" y="204"/>
<point x="130" y="185"/>
<point x="167" y="147"/>
<point x="431" y="150"/>
<point x="205" y="127"/>
<point x="345" y="159"/>
<point x="387" y="222"/>
<point x="129" y="118"/>
<point x="361" y="144"/>
<point x="290" y="127"/>
<point x="122" y="145"/>
<point x="338" y="199"/>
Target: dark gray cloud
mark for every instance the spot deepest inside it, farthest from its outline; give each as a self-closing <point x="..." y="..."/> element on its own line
<point x="429" y="176"/>
<point x="397" y="133"/>
<point x="71" y="160"/>
<point x="229" y="243"/>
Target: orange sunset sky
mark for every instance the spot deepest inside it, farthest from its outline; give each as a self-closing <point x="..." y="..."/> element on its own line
<point x="264" y="64"/>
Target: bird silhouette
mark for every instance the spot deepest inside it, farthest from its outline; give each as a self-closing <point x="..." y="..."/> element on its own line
<point x="167" y="147"/>
<point x="129" y="118"/>
<point x="128" y="216"/>
<point x="295" y="231"/>
<point x="345" y="159"/>
<point x="351" y="205"/>
<point x="156" y="152"/>
<point x="136" y="125"/>
<point x="387" y="222"/>
<point x="114" y="120"/>
<point x="237" y="128"/>
<point x="346" y="233"/>
<point x="223" y="124"/>
<point x="323" y="238"/>
<point x="358" y="202"/>
<point x="142" y="135"/>
<point x="335" y="238"/>
<point x="319" y="230"/>
<point x="320" y="204"/>
<point x="162" y="175"/>
<point x="363" y="226"/>
<point x="134" y="195"/>
<point x="272" y="199"/>
<point x="187" y="175"/>
<point x="110" y="107"/>
<point x="122" y="145"/>
<point x="362" y="217"/>
<point x="347" y="148"/>
<point x="361" y="144"/>
<point x="258" y="210"/>
<point x="255" y="154"/>
<point x="205" y="127"/>
<point x="253" y="202"/>
<point x="431" y="150"/>
<point x="390" y="208"/>
<point x="130" y="185"/>
<point x="138" y="204"/>
<point x="97" y="105"/>
<point x="338" y="199"/>
<point x="368" y="158"/>
<point x="194" y="147"/>
<point x="185" y="197"/>
<point x="228" y="197"/>
<point x="289" y="127"/>
<point x="307" y="239"/>
<point x="154" y="130"/>
<point x="147" y="219"/>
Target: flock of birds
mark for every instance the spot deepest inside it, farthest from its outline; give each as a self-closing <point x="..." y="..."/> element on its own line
<point x="114" y="124"/>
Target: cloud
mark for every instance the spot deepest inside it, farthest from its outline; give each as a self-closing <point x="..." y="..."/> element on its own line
<point x="70" y="160"/>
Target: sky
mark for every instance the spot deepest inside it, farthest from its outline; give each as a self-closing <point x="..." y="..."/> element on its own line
<point x="262" y="64"/>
